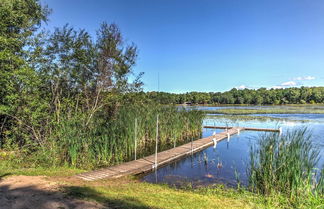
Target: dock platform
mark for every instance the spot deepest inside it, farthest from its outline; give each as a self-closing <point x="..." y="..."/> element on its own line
<point x="148" y="163"/>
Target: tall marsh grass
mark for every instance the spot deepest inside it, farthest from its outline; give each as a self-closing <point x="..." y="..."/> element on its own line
<point x="109" y="141"/>
<point x="286" y="165"/>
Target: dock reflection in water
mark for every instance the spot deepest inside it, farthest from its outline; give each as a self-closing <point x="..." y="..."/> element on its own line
<point x="210" y="166"/>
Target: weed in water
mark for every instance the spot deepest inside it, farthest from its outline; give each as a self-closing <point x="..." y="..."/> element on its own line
<point x="286" y="165"/>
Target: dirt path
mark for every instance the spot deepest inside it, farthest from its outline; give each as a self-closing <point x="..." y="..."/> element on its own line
<point x="36" y="192"/>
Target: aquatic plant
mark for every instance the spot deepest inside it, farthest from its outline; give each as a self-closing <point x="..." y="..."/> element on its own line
<point x="285" y="164"/>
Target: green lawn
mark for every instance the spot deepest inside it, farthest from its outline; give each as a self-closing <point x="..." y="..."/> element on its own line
<point x="64" y="172"/>
<point x="130" y="193"/>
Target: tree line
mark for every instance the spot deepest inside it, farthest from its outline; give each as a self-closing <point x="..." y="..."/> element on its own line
<point x="302" y="95"/>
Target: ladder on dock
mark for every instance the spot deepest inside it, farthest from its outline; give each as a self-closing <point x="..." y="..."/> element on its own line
<point x="147" y="164"/>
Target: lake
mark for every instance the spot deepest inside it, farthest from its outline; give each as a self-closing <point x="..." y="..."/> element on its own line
<point x="227" y="163"/>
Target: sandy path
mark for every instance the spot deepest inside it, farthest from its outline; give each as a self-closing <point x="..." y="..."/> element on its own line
<point x="35" y="192"/>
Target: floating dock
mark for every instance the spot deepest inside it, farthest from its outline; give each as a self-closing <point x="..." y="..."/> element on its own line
<point x="148" y="163"/>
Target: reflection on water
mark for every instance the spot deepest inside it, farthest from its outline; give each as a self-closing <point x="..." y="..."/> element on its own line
<point x="312" y="117"/>
<point x="230" y="158"/>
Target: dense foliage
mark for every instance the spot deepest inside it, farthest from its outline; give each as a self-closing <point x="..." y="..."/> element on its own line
<point x="302" y="95"/>
<point x="68" y="98"/>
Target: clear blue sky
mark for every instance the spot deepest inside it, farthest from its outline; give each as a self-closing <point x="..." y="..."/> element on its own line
<point x="212" y="45"/>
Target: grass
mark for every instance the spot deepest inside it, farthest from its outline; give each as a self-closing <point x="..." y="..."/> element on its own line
<point x="39" y="171"/>
<point x="134" y="194"/>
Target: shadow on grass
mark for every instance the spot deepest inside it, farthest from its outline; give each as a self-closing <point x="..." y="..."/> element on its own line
<point x="4" y="175"/>
<point x="35" y="197"/>
<point x="91" y="194"/>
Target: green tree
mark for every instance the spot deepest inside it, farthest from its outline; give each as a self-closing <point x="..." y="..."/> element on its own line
<point x="18" y="21"/>
<point x="18" y="82"/>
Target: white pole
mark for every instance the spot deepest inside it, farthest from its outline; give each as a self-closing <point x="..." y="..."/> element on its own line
<point x="280" y="131"/>
<point x="156" y="140"/>
<point x="191" y="146"/>
<point x="228" y="137"/>
<point x="135" y="138"/>
<point x="215" y="142"/>
<point x="174" y="142"/>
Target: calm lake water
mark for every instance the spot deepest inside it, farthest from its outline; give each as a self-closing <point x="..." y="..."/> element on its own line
<point x="203" y="168"/>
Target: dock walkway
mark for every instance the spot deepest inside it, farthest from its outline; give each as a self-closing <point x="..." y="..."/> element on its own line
<point x="147" y="164"/>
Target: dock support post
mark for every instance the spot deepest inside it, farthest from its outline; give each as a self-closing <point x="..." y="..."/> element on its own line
<point x="215" y="142"/>
<point x="228" y="137"/>
<point x="238" y="131"/>
<point x="135" y="138"/>
<point x="280" y="131"/>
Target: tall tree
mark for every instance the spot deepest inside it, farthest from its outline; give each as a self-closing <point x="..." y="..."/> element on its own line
<point x="19" y="19"/>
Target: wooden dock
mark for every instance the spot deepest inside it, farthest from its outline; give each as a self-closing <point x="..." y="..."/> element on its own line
<point x="147" y="164"/>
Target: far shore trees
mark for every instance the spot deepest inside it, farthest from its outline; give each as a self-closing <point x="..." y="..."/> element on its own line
<point x="262" y="96"/>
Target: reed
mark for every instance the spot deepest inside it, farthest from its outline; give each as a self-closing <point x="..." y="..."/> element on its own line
<point x="287" y="165"/>
<point x="112" y="141"/>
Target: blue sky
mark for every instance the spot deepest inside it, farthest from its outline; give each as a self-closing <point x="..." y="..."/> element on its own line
<point x="211" y="45"/>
